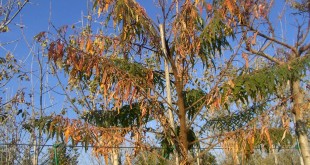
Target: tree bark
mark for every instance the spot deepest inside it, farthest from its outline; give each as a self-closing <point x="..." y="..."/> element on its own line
<point x="300" y="125"/>
<point x="182" y="112"/>
<point x="180" y="103"/>
<point x="182" y="118"/>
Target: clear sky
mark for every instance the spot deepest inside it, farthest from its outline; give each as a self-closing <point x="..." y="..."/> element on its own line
<point x="35" y="17"/>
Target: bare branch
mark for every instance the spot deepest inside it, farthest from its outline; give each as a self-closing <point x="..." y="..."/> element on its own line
<point x="274" y="40"/>
<point x="8" y="21"/>
<point x="263" y="54"/>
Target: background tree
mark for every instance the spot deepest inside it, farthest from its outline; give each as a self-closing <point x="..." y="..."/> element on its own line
<point x="65" y="155"/>
<point x="287" y="61"/>
<point x="120" y="64"/>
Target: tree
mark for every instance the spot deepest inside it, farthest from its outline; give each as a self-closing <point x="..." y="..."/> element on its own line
<point x="130" y="86"/>
<point x="213" y="98"/>
<point x="289" y="63"/>
<point x="65" y="155"/>
<point x="11" y="101"/>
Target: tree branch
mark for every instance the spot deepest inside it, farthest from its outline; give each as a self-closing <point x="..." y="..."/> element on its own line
<point x="274" y="40"/>
<point x="262" y="54"/>
<point x="6" y="22"/>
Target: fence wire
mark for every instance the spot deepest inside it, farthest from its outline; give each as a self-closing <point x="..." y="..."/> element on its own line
<point x="23" y="154"/>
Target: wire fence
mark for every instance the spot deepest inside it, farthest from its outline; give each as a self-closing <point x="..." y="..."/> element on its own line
<point x="49" y="154"/>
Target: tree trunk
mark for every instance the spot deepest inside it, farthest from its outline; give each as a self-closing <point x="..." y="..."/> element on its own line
<point x="182" y="118"/>
<point x="301" y="131"/>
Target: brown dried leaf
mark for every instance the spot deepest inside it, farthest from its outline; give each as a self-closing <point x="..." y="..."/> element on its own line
<point x="89" y="45"/>
<point x="266" y="132"/>
<point x="253" y="41"/>
<point x="246" y="58"/>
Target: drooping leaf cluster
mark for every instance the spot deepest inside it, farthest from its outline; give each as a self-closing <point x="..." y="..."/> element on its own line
<point x="197" y="36"/>
<point x="281" y="139"/>
<point x="87" y="59"/>
<point x="236" y="120"/>
<point x="79" y="132"/>
<point x="168" y="148"/>
<point x="193" y="101"/>
<point x="245" y="142"/>
<point x="135" y="24"/>
<point x="266" y="81"/>
<point x="128" y="116"/>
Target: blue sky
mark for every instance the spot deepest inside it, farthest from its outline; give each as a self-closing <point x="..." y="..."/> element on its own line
<point x="35" y="17"/>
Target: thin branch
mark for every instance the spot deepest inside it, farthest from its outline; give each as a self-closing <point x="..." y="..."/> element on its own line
<point x="304" y="48"/>
<point x="274" y="40"/>
<point x="305" y="35"/>
<point x="76" y="110"/>
<point x="8" y="21"/>
<point x="262" y="54"/>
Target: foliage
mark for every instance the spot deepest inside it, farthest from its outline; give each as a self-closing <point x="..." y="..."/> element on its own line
<point x="66" y="155"/>
<point x="101" y="139"/>
<point x="266" y="81"/>
<point x="209" y="159"/>
<point x="193" y="101"/>
<point x="150" y="158"/>
<point x="126" y="117"/>
<point x="286" y="156"/>
<point x="236" y="121"/>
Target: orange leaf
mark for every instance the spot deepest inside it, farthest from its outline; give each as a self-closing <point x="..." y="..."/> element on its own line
<point x="89" y="45"/>
<point x="209" y="7"/>
<point x="67" y="134"/>
<point x="230" y="6"/>
<point x="106" y="6"/>
<point x="106" y="158"/>
<point x="59" y="49"/>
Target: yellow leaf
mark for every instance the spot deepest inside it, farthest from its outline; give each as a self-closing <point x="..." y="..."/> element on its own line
<point x="99" y="11"/>
<point x="231" y="83"/>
